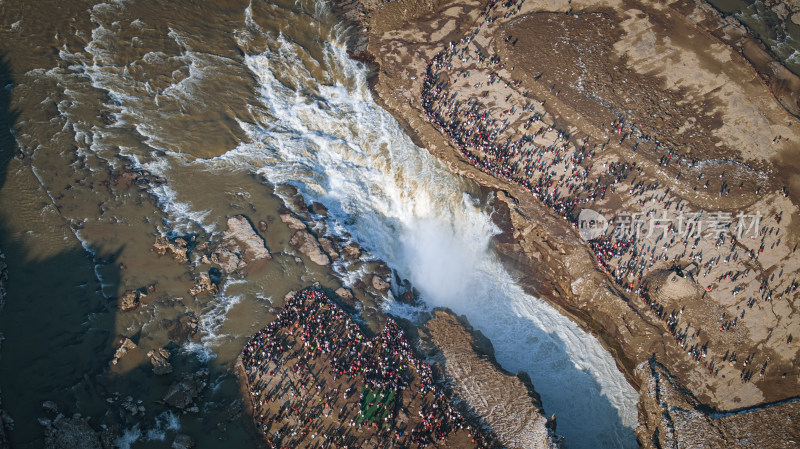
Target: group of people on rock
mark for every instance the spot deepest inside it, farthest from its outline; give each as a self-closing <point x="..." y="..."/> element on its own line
<point x="311" y="335"/>
<point x="561" y="173"/>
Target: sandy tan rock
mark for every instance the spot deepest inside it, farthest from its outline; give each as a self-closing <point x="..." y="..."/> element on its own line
<point x="203" y="285"/>
<point x="379" y="284"/>
<point x="329" y="247"/>
<point x="240" y="245"/>
<point x="128" y="301"/>
<point x="344" y="293"/>
<point x="291" y="220"/>
<point x="251" y="244"/>
<point x="125" y="346"/>
<point x="503" y="401"/>
<point x="307" y="244"/>
<point x="160" y="361"/>
<point x="178" y="248"/>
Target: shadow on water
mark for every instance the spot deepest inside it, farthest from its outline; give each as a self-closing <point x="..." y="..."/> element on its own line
<point x="8" y="145"/>
<point x="52" y="343"/>
<point x="57" y="340"/>
<point x="61" y="333"/>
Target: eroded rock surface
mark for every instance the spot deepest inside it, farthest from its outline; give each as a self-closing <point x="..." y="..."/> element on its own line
<point x="160" y="361"/>
<point x="182" y="394"/>
<point x="203" y="285"/>
<point x="308" y="245"/>
<point x="62" y="432"/>
<point x="125" y="346"/>
<point x="128" y="301"/>
<point x="671" y="417"/>
<point x="240" y="245"/>
<point x="178" y="248"/>
<point x="503" y="401"/>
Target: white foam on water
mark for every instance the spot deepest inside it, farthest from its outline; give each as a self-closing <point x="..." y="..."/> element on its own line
<point x="339" y="148"/>
<point x="211" y="321"/>
<point x="133" y="104"/>
<point x="128" y="437"/>
<point x="167" y="421"/>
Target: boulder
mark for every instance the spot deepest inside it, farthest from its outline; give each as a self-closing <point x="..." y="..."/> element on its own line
<point x="181" y="394"/>
<point x="240" y="245"/>
<point x="125" y="345"/>
<point x="262" y="226"/>
<point x="133" y="407"/>
<point x="379" y="284"/>
<point x="319" y="209"/>
<point x="178" y="248"/>
<point x="182" y="328"/>
<point x="307" y="244"/>
<point x="203" y="285"/>
<point x="345" y="294"/>
<point x="160" y="361"/>
<point x="291" y="220"/>
<point x="352" y="250"/>
<point x="128" y="301"/>
<point x="227" y="260"/>
<point x="241" y="236"/>
<point x="329" y="247"/>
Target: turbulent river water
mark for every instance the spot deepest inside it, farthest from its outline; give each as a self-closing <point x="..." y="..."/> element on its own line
<point x="227" y="105"/>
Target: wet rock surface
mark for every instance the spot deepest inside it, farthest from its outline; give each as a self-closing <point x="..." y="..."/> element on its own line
<point x="308" y="245"/>
<point x="182" y="328"/>
<point x="61" y="432"/>
<point x="292" y="221"/>
<point x="503" y="401"/>
<point x="182" y="441"/>
<point x="379" y="284"/>
<point x="178" y="248"/>
<point x="671" y="417"/>
<point x="204" y="284"/>
<point x="125" y="346"/>
<point x="128" y="301"/>
<point x="240" y="245"/>
<point x="352" y="250"/>
<point x="182" y="394"/>
<point x="160" y="360"/>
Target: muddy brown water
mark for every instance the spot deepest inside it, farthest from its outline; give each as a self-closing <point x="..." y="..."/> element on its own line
<point x="78" y="239"/>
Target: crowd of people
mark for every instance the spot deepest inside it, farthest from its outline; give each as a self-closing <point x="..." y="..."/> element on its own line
<point x="330" y="359"/>
<point x="512" y="142"/>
